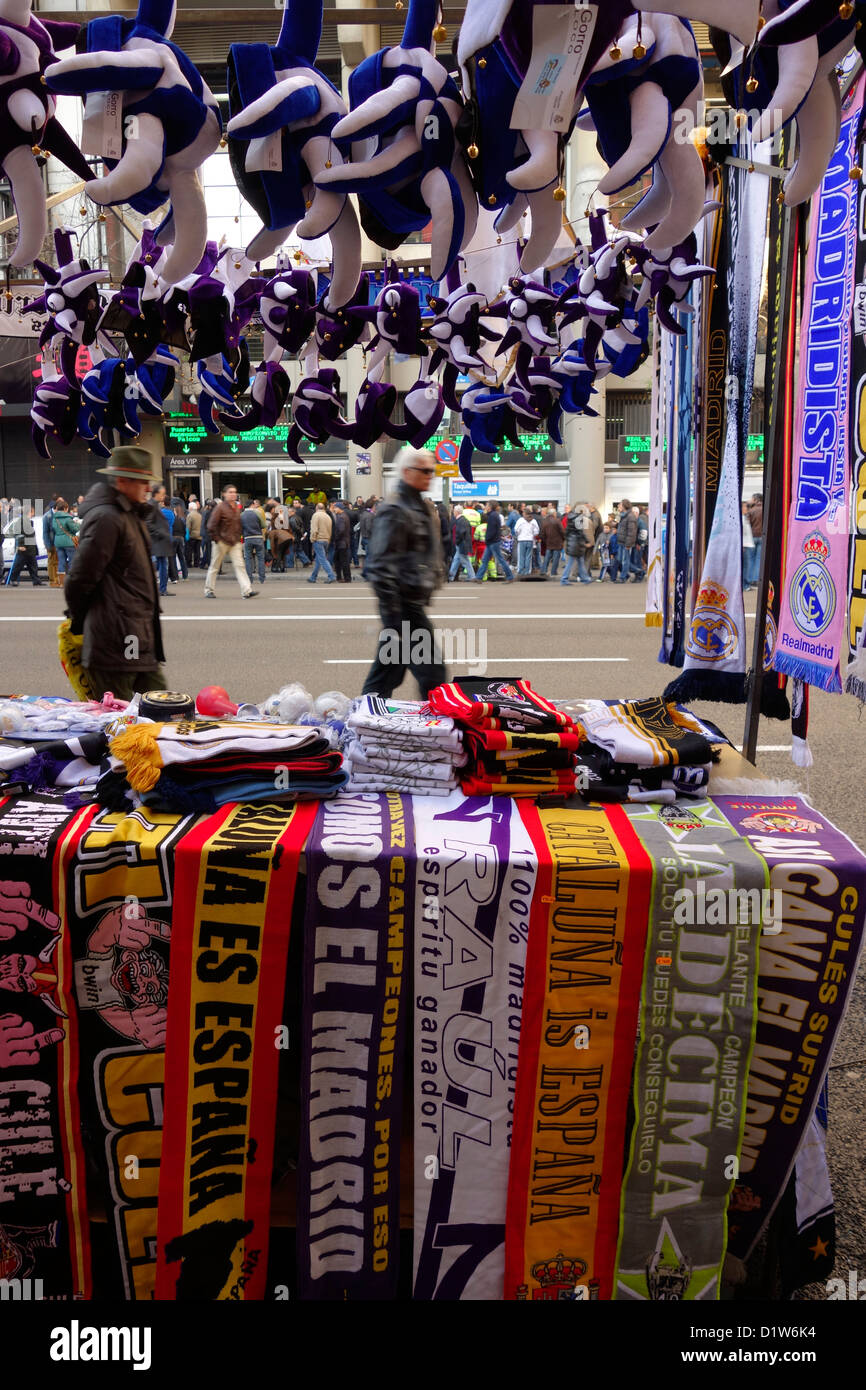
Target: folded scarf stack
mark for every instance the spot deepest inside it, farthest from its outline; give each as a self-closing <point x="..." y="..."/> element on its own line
<point x="518" y="743"/>
<point x="200" y="765"/>
<point x="645" y="750"/>
<point x="400" y="746"/>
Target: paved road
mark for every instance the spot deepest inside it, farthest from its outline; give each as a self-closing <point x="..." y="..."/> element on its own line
<point x="584" y="640"/>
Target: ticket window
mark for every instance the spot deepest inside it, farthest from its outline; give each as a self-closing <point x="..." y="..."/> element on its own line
<point x="303" y="485"/>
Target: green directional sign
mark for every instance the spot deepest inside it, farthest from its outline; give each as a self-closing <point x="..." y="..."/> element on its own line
<point x="186" y="434"/>
<point x="536" y="446"/>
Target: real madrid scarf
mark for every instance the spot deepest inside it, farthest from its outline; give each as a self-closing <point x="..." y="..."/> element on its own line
<point x="235" y="877"/>
<point x="44" y="1231"/>
<point x="779" y="391"/>
<point x="474" y="887"/>
<point x="855" y="681"/>
<point x="662" y="349"/>
<point x="812" y="627"/>
<point x="119" y="910"/>
<point x="697" y="1024"/>
<point x="806" y="972"/>
<point x="714" y="365"/>
<point x="580" y="1000"/>
<point x="715" y="659"/>
<point x="678" y="490"/>
<point x="357" y="963"/>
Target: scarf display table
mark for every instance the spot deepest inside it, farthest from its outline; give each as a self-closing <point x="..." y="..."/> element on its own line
<point x="384" y="1010"/>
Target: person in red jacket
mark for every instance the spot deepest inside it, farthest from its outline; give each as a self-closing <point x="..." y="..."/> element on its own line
<point x="225" y="530"/>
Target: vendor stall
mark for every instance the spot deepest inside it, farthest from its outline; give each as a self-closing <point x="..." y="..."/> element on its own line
<point x="215" y="1026"/>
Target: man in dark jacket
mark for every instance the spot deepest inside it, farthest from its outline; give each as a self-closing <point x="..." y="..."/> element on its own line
<point x="111" y="590"/>
<point x="404" y="566"/>
<point x="462" y="547"/>
<point x="342" y="543"/>
<point x="159" y="530"/>
<point x="553" y="538"/>
<point x="26" y="550"/>
<point x="626" y="538"/>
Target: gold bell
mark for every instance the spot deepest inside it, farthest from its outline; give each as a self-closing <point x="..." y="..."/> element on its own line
<point x="34" y="149"/>
<point x="308" y="203"/>
<point x="639" y="51"/>
<point x="615" y="53"/>
<point x="856" y="174"/>
<point x="223" y="142"/>
<point x="237" y="265"/>
<point x="440" y="33"/>
<point x="492" y="199"/>
<point x="101" y="217"/>
<point x="472" y="151"/>
<point x="761" y="23"/>
<point x="752" y="84"/>
<point x="83" y="211"/>
<point x="482" y="62"/>
<point x="327" y="337"/>
<point x="780" y="197"/>
<point x="846" y="11"/>
<point x="328" y="164"/>
<point x="559" y="193"/>
<point x="398" y="5"/>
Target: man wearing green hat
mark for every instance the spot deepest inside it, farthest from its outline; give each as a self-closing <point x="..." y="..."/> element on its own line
<point x="111" y="590"/>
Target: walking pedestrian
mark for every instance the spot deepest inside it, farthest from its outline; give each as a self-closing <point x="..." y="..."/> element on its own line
<point x="178" y="535"/>
<point x="579" y="537"/>
<point x="224" y="528"/>
<point x="405" y="566"/>
<point x="626" y="538"/>
<point x="554" y="540"/>
<point x="111" y="589"/>
<point x="193" y="532"/>
<point x="524" y="535"/>
<point x="26" y="551"/>
<point x="342" y="543"/>
<point x="493" y="546"/>
<point x="321" y="530"/>
<point x="755" y="514"/>
<point x="48" y="541"/>
<point x="161" y="541"/>
<point x="462" y="547"/>
<point x="66" y="528"/>
<point x="253" y="533"/>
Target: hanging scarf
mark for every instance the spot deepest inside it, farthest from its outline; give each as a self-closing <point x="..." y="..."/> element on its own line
<point x="781" y="345"/>
<point x="356" y="1002"/>
<point x="474" y="888"/>
<point x="44" y="1230"/>
<point x="661" y="358"/>
<point x="812" y="638"/>
<point x="716" y="646"/>
<point x="855" y="680"/>
<point x="679" y="467"/>
<point x="697" y="1021"/>
<point x="234" y="883"/>
<point x="805" y="976"/>
<point x="717" y="339"/>
<point x="580" y="1005"/>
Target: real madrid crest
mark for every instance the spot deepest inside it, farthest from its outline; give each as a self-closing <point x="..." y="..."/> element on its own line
<point x="713" y="634"/>
<point x="813" y="593"/>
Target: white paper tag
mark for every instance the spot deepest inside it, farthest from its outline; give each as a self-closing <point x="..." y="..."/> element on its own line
<point x="102" y="128"/>
<point x="561" y="36"/>
<point x="265" y="154"/>
<point x="859" y="313"/>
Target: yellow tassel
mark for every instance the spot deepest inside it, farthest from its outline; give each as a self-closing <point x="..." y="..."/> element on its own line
<point x="653" y="620"/>
<point x="138" y="750"/>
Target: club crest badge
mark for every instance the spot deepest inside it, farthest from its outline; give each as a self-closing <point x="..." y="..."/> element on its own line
<point x="679" y="818"/>
<point x="813" y="593"/>
<point x="774" y="822"/>
<point x="713" y="634"/>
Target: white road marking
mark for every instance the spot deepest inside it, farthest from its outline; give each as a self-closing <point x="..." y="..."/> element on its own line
<point x="769" y="748"/>
<point x="495" y="660"/>
<point x="248" y="616"/>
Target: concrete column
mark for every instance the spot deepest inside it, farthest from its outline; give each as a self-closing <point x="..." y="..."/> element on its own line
<point x="584" y="435"/>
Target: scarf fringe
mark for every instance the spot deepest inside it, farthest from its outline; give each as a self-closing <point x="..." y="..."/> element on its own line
<point x="809" y="671"/>
<point x="855" y="678"/>
<point x="801" y="753"/>
<point x="724" y="687"/>
<point x="138" y="750"/>
<point x="653" y="620"/>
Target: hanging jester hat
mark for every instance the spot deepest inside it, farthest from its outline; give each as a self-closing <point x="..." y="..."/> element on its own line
<point x="283" y="112"/>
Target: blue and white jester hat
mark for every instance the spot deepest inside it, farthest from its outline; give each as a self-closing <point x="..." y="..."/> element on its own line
<point x="283" y="111"/>
<point x="406" y="165"/>
<point x="171" y="123"/>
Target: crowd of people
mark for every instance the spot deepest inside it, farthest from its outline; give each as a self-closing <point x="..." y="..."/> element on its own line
<point x="266" y="536"/>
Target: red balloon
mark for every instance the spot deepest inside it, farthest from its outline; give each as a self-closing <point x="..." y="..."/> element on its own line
<point x="214" y="701"/>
